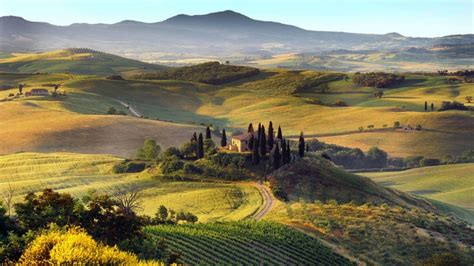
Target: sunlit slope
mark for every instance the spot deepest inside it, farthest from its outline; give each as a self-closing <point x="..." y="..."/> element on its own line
<point x="453" y="184"/>
<point x="75" y="60"/>
<point x="79" y="173"/>
<point x="28" y="127"/>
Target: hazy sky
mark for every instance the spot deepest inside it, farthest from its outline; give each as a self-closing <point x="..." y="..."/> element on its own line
<point x="408" y="17"/>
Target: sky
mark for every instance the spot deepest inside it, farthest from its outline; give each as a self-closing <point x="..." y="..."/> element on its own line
<point x="417" y="18"/>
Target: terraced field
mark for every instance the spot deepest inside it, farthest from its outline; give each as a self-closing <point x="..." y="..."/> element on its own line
<point x="79" y="173"/>
<point x="245" y="243"/>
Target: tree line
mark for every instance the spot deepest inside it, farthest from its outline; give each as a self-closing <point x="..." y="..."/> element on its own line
<point x="377" y="79"/>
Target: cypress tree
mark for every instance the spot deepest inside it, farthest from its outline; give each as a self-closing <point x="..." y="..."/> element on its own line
<point x="194" y="138"/>
<point x="255" y="154"/>
<point x="250" y="129"/>
<point x="432" y="107"/>
<point x="223" y="139"/>
<point x="263" y="142"/>
<point x="280" y="135"/>
<point x="288" y="152"/>
<point x="301" y="145"/>
<point x="283" y="152"/>
<point x="271" y="136"/>
<point x="307" y="147"/>
<point x="276" y="157"/>
<point x="426" y="106"/>
<point x="208" y="133"/>
<point x="251" y="142"/>
<point x="200" y="146"/>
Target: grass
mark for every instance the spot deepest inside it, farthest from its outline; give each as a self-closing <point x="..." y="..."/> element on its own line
<point x="273" y="95"/>
<point x="245" y="243"/>
<point x="452" y="184"/>
<point x="79" y="173"/>
<point x="29" y="127"/>
<point x="378" y="234"/>
<point x="75" y="61"/>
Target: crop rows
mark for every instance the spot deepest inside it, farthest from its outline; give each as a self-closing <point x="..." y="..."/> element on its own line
<point x="244" y="243"/>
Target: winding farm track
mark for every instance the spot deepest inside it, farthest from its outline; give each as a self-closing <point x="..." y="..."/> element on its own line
<point x="130" y="108"/>
<point x="267" y="202"/>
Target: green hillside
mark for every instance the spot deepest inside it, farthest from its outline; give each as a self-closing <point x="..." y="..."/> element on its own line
<point x="452" y="184"/>
<point x="245" y="243"/>
<point x="78" y="173"/>
<point x="74" y="60"/>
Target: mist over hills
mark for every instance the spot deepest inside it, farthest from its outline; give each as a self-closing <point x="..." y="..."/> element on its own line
<point x="225" y="33"/>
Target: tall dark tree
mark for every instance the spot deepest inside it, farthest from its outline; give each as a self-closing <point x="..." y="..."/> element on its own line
<point x="263" y="142"/>
<point x="301" y="145"/>
<point x="250" y="129"/>
<point x="200" y="146"/>
<point x="276" y="157"/>
<point x="426" y="106"/>
<point x="283" y="152"/>
<point x="20" y="88"/>
<point x="271" y="136"/>
<point x="255" y="154"/>
<point x="307" y="147"/>
<point x="280" y="135"/>
<point x="432" y="106"/>
<point x="208" y="133"/>
<point x="288" y="151"/>
<point x="251" y="142"/>
<point x="223" y="139"/>
<point x="194" y="138"/>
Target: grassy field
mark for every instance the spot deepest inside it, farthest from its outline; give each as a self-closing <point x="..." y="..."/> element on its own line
<point x="273" y="95"/>
<point x="77" y="61"/>
<point x="79" y="173"/>
<point x="245" y="243"/>
<point x="452" y="184"/>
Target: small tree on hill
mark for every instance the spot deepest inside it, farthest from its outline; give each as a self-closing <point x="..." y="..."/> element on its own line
<point x="468" y="99"/>
<point x="426" y="106"/>
<point x="208" y="133"/>
<point x="149" y="151"/>
<point x="279" y="135"/>
<point x="276" y="157"/>
<point x="20" y="88"/>
<point x="223" y="138"/>
<point x="396" y="124"/>
<point x="200" y="147"/>
<point x="255" y="154"/>
<point x="301" y="145"/>
<point x="432" y="106"/>
<point x="378" y="94"/>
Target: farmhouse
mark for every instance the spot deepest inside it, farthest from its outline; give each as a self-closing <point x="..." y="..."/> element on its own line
<point x="37" y="92"/>
<point x="241" y="142"/>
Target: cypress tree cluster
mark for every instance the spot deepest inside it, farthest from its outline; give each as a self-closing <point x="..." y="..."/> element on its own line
<point x="280" y="135"/>
<point x="250" y="128"/>
<point x="262" y="141"/>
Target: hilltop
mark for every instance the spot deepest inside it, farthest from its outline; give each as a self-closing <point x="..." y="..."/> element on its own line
<point x="73" y="60"/>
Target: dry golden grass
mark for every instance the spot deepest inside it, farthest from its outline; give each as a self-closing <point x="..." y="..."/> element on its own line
<point x="26" y="127"/>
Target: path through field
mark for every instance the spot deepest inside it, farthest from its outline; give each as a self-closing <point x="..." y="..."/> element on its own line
<point x="267" y="201"/>
<point x="129" y="107"/>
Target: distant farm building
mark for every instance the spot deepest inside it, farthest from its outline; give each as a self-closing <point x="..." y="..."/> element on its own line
<point x="37" y="92"/>
<point x="407" y="128"/>
<point x="241" y="142"/>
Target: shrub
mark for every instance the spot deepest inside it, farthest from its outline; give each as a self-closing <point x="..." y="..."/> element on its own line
<point x="171" y="164"/>
<point x="429" y="162"/>
<point x="190" y="168"/>
<point x="75" y="246"/>
<point x="129" y="167"/>
<point x="115" y="77"/>
<point x="452" y="106"/>
<point x="340" y="103"/>
<point x="279" y="193"/>
<point x="413" y="161"/>
<point x="149" y="151"/>
<point x="172" y="152"/>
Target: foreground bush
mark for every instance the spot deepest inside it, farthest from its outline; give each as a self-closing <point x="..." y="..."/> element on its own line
<point x="75" y="246"/>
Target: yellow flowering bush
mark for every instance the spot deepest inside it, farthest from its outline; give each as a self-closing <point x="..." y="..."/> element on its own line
<point x="76" y="247"/>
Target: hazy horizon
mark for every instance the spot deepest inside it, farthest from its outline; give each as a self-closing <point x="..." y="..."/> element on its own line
<point x="433" y="18"/>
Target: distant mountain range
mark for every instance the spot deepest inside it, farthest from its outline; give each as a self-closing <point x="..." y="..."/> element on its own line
<point x="224" y="33"/>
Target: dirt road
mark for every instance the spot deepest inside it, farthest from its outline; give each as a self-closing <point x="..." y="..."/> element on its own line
<point x="267" y="202"/>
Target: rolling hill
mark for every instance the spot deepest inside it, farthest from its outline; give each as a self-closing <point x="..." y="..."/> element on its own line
<point x="79" y="173"/>
<point x="74" y="60"/>
<point x="452" y="184"/>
